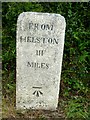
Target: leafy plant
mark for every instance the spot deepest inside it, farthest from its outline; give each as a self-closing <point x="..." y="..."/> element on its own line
<point x="75" y="79"/>
<point x="77" y="109"/>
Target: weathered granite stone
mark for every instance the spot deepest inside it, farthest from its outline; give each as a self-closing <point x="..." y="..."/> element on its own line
<point x="40" y="42"/>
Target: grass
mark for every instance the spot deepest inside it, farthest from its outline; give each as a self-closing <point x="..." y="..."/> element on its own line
<point x="77" y="107"/>
<point x="9" y="110"/>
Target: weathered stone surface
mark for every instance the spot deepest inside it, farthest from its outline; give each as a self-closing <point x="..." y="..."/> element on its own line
<point x="40" y="42"/>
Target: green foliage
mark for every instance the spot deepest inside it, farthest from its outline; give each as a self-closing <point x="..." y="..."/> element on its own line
<point x="75" y="70"/>
<point x="77" y="108"/>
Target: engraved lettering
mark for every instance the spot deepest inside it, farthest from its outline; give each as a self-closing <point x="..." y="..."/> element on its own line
<point x="37" y="26"/>
<point x="38" y="65"/>
<point x="48" y="27"/>
<point x="40" y="52"/>
<point x="41" y="40"/>
<point x="30" y="25"/>
<point x="43" y="27"/>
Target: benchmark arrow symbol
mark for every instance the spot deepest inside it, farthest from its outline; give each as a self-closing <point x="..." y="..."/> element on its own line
<point x="37" y="93"/>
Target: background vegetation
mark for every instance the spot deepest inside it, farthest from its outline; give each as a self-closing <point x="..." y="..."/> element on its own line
<point x="74" y="101"/>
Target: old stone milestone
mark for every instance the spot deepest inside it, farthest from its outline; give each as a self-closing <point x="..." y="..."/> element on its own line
<point x="40" y="43"/>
